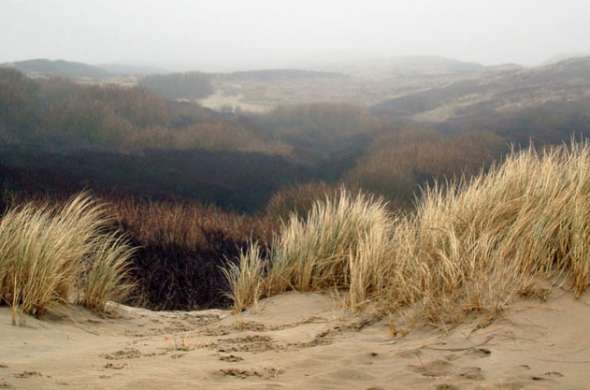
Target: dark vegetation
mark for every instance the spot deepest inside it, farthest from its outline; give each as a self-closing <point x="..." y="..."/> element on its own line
<point x="233" y="180"/>
<point x="332" y="135"/>
<point x="197" y="85"/>
<point x="399" y="163"/>
<point x="547" y="123"/>
<point x="192" y="187"/>
<point x="57" y="114"/>
<point x="182" y="247"/>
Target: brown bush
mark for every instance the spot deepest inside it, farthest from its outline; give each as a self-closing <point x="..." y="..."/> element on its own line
<point x="402" y="161"/>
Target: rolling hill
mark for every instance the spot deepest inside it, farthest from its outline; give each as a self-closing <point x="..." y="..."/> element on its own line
<point x="505" y="90"/>
<point x="58" y="68"/>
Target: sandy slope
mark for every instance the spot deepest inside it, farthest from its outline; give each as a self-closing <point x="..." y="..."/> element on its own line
<point x="297" y="341"/>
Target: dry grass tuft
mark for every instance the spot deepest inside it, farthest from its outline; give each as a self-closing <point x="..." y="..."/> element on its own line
<point x="44" y="251"/>
<point x="107" y="277"/>
<point x="470" y="246"/>
<point x="316" y="252"/>
<point x="245" y="278"/>
<point x="313" y="253"/>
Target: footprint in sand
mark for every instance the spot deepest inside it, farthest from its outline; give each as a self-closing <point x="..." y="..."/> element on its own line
<point x="472" y="373"/>
<point x="130" y="353"/>
<point x="446" y="386"/>
<point x="554" y="374"/>
<point x="265" y="373"/>
<point x="410" y="354"/>
<point x="5" y="385"/>
<point x="251" y="326"/>
<point x="538" y="378"/>
<point x="115" y="366"/>
<point x="246" y="344"/>
<point x="434" y="368"/>
<point x="231" y="358"/>
<point x="27" y="374"/>
<point x="351" y="375"/>
<point x="479" y="352"/>
<point x="516" y="385"/>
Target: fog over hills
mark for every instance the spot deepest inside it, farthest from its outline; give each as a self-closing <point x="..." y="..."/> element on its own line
<point x="400" y="66"/>
<point x="428" y="88"/>
<point x="227" y="36"/>
<point x="131" y="69"/>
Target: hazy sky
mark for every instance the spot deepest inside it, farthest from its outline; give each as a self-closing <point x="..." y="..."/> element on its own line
<point x="224" y="34"/>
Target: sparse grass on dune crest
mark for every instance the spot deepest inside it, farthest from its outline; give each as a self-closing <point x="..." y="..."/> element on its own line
<point x="471" y="245"/>
<point x="313" y="253"/>
<point x="480" y="242"/>
<point x="316" y="252"/>
<point x="45" y="253"/>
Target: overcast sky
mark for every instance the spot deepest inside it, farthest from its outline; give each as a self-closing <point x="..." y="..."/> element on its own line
<point x="226" y="35"/>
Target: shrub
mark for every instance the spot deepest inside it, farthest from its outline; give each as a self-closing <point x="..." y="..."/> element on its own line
<point x="402" y="161"/>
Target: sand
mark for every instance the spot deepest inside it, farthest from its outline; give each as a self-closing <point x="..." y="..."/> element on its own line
<point x="297" y="341"/>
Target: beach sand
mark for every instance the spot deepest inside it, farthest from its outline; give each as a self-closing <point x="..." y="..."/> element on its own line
<point x="297" y="341"/>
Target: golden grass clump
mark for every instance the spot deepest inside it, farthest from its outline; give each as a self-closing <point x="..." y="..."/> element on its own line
<point x="313" y="253"/>
<point x="476" y="244"/>
<point x="245" y="278"/>
<point x="44" y="252"/>
<point x="316" y="252"/>
<point x="470" y="245"/>
<point x="107" y="277"/>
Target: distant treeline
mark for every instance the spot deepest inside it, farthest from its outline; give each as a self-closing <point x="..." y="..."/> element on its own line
<point x="60" y="114"/>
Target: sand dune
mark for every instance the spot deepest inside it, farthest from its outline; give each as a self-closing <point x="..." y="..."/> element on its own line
<point x="297" y="341"/>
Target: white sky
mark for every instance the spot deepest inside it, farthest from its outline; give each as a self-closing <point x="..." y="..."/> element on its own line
<point x="224" y="34"/>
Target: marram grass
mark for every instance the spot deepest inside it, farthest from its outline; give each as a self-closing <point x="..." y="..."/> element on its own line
<point x="52" y="255"/>
<point x="470" y="245"/>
